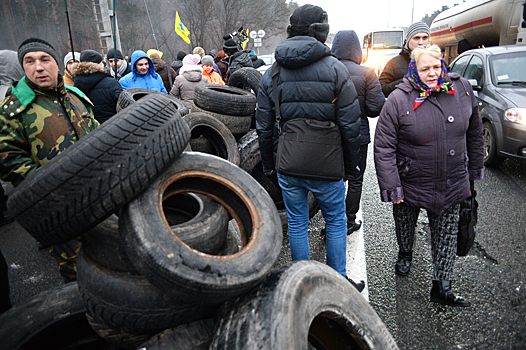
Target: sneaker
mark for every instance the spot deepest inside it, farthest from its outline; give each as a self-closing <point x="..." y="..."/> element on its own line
<point x="354" y="227"/>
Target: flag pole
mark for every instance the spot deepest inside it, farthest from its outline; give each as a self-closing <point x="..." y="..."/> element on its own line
<point x="69" y="29"/>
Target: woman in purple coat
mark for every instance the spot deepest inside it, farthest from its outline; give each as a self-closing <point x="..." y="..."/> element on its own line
<point x="428" y="147"/>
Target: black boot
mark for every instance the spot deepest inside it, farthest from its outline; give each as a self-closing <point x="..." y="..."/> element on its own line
<point x="403" y="265"/>
<point x="442" y="293"/>
<point x="359" y="286"/>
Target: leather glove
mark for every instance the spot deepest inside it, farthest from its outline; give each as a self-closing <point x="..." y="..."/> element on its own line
<point x="272" y="175"/>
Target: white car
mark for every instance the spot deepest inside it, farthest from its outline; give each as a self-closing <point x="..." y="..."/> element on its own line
<point x="269" y="60"/>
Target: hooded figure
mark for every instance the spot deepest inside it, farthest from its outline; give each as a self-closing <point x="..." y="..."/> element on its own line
<point x="347" y="49"/>
<point x="147" y="79"/>
<point x="91" y="78"/>
<point x="189" y="76"/>
<point x="68" y="61"/>
<point x="10" y="70"/>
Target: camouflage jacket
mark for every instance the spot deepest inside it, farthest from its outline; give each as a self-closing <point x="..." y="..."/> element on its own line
<point x="37" y="124"/>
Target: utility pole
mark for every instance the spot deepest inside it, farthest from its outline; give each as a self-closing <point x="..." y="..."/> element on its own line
<point x="103" y="11"/>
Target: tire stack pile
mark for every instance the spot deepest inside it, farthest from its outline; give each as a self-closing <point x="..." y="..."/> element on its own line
<point x="160" y="267"/>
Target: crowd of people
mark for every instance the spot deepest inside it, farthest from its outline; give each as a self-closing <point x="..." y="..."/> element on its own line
<point x="428" y="143"/>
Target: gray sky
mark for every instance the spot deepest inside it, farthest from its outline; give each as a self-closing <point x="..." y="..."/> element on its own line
<point x="363" y="16"/>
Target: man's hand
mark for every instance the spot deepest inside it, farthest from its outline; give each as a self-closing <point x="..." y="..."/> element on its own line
<point x="271" y="174"/>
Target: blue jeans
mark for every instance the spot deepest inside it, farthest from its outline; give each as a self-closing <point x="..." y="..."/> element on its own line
<point x="331" y="199"/>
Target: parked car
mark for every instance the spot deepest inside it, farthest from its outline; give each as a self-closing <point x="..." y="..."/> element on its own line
<point x="498" y="77"/>
<point x="269" y="60"/>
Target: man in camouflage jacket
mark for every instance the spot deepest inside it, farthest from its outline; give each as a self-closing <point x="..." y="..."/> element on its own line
<point x="39" y="119"/>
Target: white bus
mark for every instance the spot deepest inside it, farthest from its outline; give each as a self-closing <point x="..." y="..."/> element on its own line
<point x="380" y="46"/>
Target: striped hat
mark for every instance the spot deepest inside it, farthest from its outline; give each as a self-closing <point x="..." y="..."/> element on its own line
<point x="415" y="28"/>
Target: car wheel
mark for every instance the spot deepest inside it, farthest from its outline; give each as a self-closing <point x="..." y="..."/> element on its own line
<point x="491" y="158"/>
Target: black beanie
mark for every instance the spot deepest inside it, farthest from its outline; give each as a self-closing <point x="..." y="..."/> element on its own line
<point x="35" y="44"/>
<point x="111" y="54"/>
<point x="230" y="47"/>
<point x="90" y="56"/>
<point x="180" y="55"/>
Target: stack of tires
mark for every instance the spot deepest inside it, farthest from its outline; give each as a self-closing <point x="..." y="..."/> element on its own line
<point x="161" y="266"/>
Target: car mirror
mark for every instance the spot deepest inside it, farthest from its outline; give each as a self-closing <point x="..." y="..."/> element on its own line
<point x="474" y="83"/>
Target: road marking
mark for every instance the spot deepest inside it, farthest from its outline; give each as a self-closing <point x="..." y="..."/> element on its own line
<point x="356" y="267"/>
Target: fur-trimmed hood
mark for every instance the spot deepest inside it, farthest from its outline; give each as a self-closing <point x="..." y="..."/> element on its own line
<point x="86" y="68"/>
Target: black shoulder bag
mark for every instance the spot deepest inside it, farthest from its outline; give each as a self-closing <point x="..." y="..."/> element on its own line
<point x="308" y="148"/>
<point x="467" y="224"/>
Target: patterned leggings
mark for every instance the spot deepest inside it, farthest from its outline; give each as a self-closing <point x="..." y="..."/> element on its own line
<point x="444" y="230"/>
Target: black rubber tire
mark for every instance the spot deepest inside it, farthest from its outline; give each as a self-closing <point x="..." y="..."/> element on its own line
<point x="251" y="162"/>
<point x="130" y="96"/>
<point x="119" y="300"/>
<point x="246" y="77"/>
<point x="305" y="303"/>
<point x="90" y="180"/>
<point x="231" y="245"/>
<point x="193" y="336"/>
<point x="224" y="99"/>
<point x="176" y="268"/>
<point x="121" y="337"/>
<point x="103" y="245"/>
<point x="199" y="221"/>
<point x="201" y="144"/>
<point x="491" y="158"/>
<point x="52" y="320"/>
<point x="238" y="125"/>
<point x="223" y="143"/>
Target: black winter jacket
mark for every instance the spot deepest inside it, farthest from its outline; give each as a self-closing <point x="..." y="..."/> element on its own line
<point x="312" y="84"/>
<point x="346" y="47"/>
<point x="394" y="71"/>
<point x="101" y="89"/>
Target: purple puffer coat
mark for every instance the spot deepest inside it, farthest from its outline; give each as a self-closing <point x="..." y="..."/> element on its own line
<point x="427" y="157"/>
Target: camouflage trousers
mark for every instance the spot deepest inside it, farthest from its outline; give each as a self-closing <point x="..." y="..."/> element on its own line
<point x="66" y="256"/>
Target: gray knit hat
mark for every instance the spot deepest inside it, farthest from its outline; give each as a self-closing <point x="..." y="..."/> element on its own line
<point x="415" y="28"/>
<point x="35" y="44"/>
<point x="207" y="60"/>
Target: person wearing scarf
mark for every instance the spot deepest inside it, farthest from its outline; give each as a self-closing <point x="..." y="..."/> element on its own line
<point x="428" y="147"/>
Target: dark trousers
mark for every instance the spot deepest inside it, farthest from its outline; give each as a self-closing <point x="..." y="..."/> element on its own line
<point x="444" y="230"/>
<point x="354" y="188"/>
<point x="5" y="301"/>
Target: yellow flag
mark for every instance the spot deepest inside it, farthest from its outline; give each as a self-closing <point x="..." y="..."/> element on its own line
<point x="180" y="29"/>
<point x="246" y="40"/>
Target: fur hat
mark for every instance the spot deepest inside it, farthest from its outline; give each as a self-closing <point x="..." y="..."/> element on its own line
<point x="230" y="47"/>
<point x="207" y="60"/>
<point x="90" y="56"/>
<point x="35" y="44"/>
<point x="309" y="20"/>
<point x="199" y="50"/>
<point x="111" y="54"/>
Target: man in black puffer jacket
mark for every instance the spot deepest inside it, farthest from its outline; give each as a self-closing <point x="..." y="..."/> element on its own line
<point x="237" y="59"/>
<point x="312" y="84"/>
<point x="397" y="67"/>
<point x="346" y="47"/>
<point x="91" y="78"/>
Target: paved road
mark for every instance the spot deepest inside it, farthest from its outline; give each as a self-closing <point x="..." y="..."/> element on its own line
<point x="492" y="276"/>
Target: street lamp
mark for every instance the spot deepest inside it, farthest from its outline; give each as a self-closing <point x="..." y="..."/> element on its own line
<point x="257" y="38"/>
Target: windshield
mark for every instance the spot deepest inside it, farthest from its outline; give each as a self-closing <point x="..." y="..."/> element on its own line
<point x="508" y="69"/>
<point x="388" y="40"/>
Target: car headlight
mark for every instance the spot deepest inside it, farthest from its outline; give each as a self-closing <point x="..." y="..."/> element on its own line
<point x="516" y="115"/>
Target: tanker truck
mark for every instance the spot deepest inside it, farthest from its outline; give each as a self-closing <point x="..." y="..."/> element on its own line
<point x="479" y="23"/>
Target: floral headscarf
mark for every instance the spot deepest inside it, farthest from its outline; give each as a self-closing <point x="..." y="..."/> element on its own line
<point x="443" y="85"/>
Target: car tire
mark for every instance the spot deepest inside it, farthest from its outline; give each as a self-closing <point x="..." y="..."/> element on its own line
<point x="193" y="336"/>
<point x="223" y="143"/>
<point x="130" y="96"/>
<point x="491" y="157"/>
<point x="224" y="99"/>
<point x="120" y="300"/>
<point x="246" y="77"/>
<point x="91" y="179"/>
<point x="175" y="268"/>
<point x="238" y="125"/>
<point x="52" y="320"/>
<point x="305" y="303"/>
